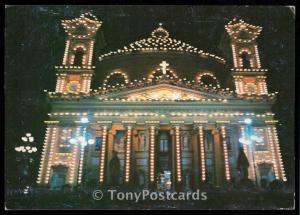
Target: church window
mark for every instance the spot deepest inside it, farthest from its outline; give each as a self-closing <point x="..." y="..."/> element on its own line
<point x="246" y="60"/>
<point x="163" y="145"/>
<point x="78" y="59"/>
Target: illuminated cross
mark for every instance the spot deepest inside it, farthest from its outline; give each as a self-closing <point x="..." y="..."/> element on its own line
<point x="164" y="65"/>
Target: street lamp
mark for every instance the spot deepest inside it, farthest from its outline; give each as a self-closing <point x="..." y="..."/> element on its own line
<point x="24" y="150"/>
<point x="82" y="141"/>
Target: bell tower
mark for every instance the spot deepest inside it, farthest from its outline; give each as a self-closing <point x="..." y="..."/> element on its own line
<point x="249" y="77"/>
<point x="75" y="73"/>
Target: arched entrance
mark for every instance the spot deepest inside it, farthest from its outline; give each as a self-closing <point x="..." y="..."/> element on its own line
<point x="58" y="177"/>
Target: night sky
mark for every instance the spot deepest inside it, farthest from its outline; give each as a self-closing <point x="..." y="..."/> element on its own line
<point x="35" y="40"/>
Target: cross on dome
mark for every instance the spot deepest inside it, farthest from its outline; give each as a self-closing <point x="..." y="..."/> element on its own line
<point x="164" y="65"/>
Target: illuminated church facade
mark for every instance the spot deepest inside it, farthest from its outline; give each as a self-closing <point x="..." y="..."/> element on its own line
<point x="164" y="111"/>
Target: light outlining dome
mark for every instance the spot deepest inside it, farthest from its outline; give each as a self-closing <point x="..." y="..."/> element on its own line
<point x="160" y="41"/>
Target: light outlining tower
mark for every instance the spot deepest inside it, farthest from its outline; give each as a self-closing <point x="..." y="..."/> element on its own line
<point x="249" y="77"/>
<point x="75" y="73"/>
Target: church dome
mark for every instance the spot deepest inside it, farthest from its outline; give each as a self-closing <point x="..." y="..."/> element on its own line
<point x="141" y="59"/>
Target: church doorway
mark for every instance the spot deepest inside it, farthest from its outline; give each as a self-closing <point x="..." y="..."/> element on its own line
<point x="164" y="159"/>
<point x="266" y="174"/>
<point x="58" y="178"/>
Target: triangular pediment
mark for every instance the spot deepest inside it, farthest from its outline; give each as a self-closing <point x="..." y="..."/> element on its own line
<point x="162" y="92"/>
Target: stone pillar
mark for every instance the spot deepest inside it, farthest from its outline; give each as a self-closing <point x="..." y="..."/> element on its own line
<point x="152" y="156"/>
<point x="103" y="155"/>
<point x="127" y="175"/>
<point x="202" y="165"/>
<point x="44" y="156"/>
<point x="178" y="155"/>
<point x="218" y="158"/>
<point x="225" y="153"/>
<point x="110" y="140"/>
<point x="52" y="150"/>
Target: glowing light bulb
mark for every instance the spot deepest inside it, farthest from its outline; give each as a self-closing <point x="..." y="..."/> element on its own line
<point x="248" y="121"/>
<point x="84" y="120"/>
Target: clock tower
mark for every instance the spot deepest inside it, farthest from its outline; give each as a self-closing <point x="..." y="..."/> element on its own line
<point x="75" y="73"/>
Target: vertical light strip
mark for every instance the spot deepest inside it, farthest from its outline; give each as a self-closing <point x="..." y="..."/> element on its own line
<point x="52" y="151"/>
<point x="257" y="56"/>
<point x="271" y="144"/>
<point x="83" y="88"/>
<point x="72" y="59"/>
<point x="128" y="154"/>
<point x="277" y="149"/>
<point x="260" y="87"/>
<point x="42" y="163"/>
<point x="72" y="165"/>
<point x="62" y="84"/>
<point x="225" y="150"/>
<point x="265" y="87"/>
<point x="240" y="86"/>
<point x="103" y="153"/>
<point x="84" y="61"/>
<point x="88" y="86"/>
<point x="66" y="52"/>
<point x="237" y="87"/>
<point x="178" y="153"/>
<point x="152" y="153"/>
<point x="91" y="52"/>
<point x="58" y="82"/>
<point x="82" y="147"/>
<point x="234" y="56"/>
<point x="202" y="154"/>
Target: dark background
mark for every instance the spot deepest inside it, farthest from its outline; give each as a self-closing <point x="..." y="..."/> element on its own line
<point x="35" y="40"/>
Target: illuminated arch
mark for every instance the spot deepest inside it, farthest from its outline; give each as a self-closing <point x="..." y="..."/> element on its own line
<point x="199" y="78"/>
<point x="78" y="58"/>
<point x="158" y="72"/>
<point x="116" y="73"/>
<point x="245" y="59"/>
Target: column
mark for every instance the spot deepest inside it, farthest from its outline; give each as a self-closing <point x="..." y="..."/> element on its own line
<point x="218" y="157"/>
<point x="44" y="157"/>
<point x="152" y="155"/>
<point x="80" y="167"/>
<point x="51" y="153"/>
<point x="103" y="154"/>
<point x="202" y="164"/>
<point x="127" y="175"/>
<point x="178" y="154"/>
<point x="109" y="147"/>
<point x="225" y="152"/>
<point x="74" y="166"/>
